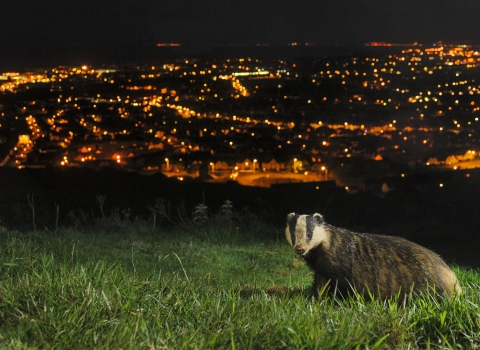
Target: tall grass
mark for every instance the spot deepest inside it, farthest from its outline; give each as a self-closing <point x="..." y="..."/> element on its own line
<point x="201" y="284"/>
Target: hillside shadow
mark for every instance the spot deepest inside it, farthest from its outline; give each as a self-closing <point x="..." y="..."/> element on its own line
<point x="443" y="219"/>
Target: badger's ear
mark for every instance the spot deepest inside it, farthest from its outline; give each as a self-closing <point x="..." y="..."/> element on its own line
<point x="290" y="217"/>
<point x="318" y="219"/>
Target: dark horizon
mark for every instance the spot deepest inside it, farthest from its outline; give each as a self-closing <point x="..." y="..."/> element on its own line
<point x="90" y="31"/>
<point x="153" y="53"/>
<point x="134" y="54"/>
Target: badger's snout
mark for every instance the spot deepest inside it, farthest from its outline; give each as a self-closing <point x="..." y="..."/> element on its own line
<point x="300" y="250"/>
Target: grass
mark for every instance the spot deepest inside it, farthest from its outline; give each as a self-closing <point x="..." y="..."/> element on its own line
<point x="201" y="285"/>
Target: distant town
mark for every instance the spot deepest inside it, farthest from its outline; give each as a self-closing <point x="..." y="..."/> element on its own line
<point x="388" y="110"/>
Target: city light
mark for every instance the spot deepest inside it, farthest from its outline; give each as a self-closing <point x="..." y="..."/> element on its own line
<point x="215" y="106"/>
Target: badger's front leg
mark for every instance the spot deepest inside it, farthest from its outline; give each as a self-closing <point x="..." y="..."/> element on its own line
<point x="320" y="285"/>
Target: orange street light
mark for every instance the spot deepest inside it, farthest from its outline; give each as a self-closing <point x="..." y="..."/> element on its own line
<point x="325" y="169"/>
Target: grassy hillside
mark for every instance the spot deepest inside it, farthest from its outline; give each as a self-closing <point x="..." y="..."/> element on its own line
<point x="227" y="282"/>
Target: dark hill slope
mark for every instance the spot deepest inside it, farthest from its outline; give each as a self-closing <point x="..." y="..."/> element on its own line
<point x="419" y="213"/>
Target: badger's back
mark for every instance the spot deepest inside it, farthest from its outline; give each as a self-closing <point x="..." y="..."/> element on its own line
<point x="383" y="264"/>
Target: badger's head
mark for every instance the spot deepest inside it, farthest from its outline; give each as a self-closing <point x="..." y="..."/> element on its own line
<point x="305" y="232"/>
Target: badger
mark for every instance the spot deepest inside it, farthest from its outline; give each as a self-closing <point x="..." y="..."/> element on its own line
<point x="372" y="265"/>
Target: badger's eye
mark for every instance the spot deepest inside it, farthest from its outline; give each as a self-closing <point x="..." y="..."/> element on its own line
<point x="309" y="235"/>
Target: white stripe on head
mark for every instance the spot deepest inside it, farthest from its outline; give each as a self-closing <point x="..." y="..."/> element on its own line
<point x="320" y="236"/>
<point x="301" y="229"/>
<point x="290" y="229"/>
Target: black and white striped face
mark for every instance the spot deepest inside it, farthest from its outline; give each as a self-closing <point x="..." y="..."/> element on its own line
<point x="305" y="232"/>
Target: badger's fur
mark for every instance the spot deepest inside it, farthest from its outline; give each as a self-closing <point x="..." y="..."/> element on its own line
<point x="382" y="265"/>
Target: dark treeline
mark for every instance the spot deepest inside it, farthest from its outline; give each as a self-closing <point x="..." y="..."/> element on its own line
<point x="448" y="213"/>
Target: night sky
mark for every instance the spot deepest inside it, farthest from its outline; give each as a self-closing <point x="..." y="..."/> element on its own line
<point x="64" y="31"/>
